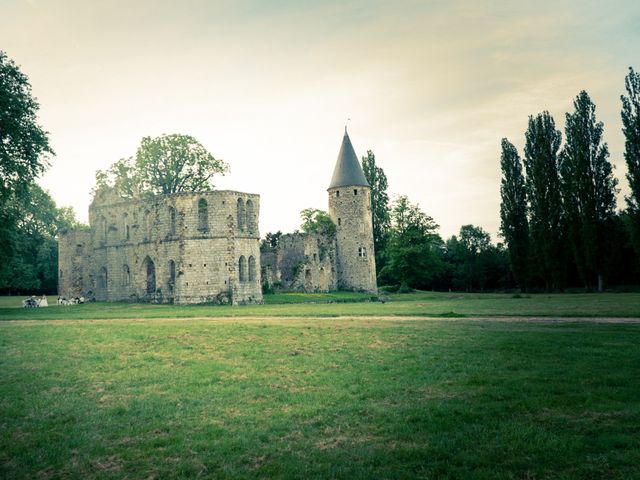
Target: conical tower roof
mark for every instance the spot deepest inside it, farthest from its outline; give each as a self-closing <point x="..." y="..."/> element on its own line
<point x="348" y="170"/>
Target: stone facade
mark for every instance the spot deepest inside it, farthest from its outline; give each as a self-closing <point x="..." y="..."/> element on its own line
<point x="350" y="210"/>
<point x="301" y="262"/>
<point x="180" y="248"/>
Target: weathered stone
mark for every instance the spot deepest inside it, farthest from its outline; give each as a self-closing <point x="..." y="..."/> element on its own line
<point x="181" y="248"/>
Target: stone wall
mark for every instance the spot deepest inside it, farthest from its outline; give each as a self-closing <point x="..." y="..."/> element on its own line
<point x="182" y="248"/>
<point x="302" y="262"/>
<point x="350" y="210"/>
<point x="74" y="264"/>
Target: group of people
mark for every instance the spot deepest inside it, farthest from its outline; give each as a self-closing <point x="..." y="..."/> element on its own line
<point x="33" y="302"/>
<point x="70" y="301"/>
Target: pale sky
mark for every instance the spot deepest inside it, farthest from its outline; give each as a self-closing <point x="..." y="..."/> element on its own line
<point x="430" y="86"/>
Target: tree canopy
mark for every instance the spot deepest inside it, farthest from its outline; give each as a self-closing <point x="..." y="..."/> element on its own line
<point x="317" y="221"/>
<point x="379" y="204"/>
<point x="163" y="165"/>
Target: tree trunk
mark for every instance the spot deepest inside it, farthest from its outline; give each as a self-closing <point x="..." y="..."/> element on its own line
<point x="599" y="283"/>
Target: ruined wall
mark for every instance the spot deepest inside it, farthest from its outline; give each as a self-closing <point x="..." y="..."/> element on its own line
<point x="182" y="248"/>
<point x="303" y="262"/>
<point x="74" y="264"/>
<point x="350" y="210"/>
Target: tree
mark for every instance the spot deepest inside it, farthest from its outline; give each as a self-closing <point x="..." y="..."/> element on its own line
<point x="414" y="249"/>
<point x="513" y="212"/>
<point x="270" y="242"/>
<point x="475" y="262"/>
<point x="317" y="221"/>
<point x="24" y="153"/>
<point x="24" y="146"/>
<point x="163" y="165"/>
<point x="588" y="188"/>
<point x="379" y="205"/>
<point x="631" y="129"/>
<point x="542" y="142"/>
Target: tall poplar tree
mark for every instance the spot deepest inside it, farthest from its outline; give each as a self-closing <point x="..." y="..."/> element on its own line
<point x="588" y="188"/>
<point x="513" y="212"/>
<point x="542" y="142"/>
<point x="631" y="129"/>
<point x="379" y="205"/>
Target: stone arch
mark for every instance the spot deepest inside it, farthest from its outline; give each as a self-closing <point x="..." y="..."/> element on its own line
<point x="103" y="279"/>
<point x="150" y="271"/>
<point x="242" y="269"/>
<point x="126" y="233"/>
<point x="126" y="275"/>
<point x="172" y="275"/>
<point x="252" y="269"/>
<point x="250" y="215"/>
<point x="241" y="214"/>
<point x="323" y="280"/>
<point x="172" y="221"/>
<point x="203" y="215"/>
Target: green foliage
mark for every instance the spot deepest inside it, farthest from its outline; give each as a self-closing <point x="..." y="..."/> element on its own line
<point x="24" y="146"/>
<point x="163" y="165"/>
<point x="513" y="212"/>
<point x="32" y="266"/>
<point x="631" y="128"/>
<point x="379" y="205"/>
<point x="270" y="242"/>
<point x="414" y="250"/>
<point x="475" y="263"/>
<point x="542" y="142"/>
<point x="317" y="221"/>
<point x="588" y="188"/>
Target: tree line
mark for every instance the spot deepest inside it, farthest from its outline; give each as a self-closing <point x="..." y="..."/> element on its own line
<point x="558" y="209"/>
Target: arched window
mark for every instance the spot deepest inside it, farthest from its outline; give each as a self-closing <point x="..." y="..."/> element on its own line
<point x="125" y="227"/>
<point x="150" y="270"/>
<point x="172" y="275"/>
<point x="242" y="215"/>
<point x="126" y="275"/>
<point x="172" y="221"/>
<point x="203" y="215"/>
<point x="242" y="269"/>
<point x="102" y="279"/>
<point x="102" y="225"/>
<point x="250" y="216"/>
<point x="252" y="269"/>
<point x="146" y="225"/>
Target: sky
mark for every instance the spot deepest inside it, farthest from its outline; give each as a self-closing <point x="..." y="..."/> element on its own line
<point x="430" y="87"/>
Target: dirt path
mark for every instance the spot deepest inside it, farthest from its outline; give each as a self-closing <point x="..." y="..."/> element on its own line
<point x="355" y="320"/>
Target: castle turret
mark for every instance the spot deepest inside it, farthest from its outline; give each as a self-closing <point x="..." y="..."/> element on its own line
<point x="350" y="210"/>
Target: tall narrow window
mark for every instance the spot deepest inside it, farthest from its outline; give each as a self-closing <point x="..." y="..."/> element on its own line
<point x="125" y="226"/>
<point x="355" y="191"/>
<point x="150" y="270"/>
<point x="203" y="215"/>
<point x="146" y="224"/>
<point x="242" y="269"/>
<point x="252" y="269"/>
<point x="362" y="252"/>
<point x="126" y="275"/>
<point x="250" y="216"/>
<point x="337" y="193"/>
<point x="103" y="229"/>
<point x="102" y="279"/>
<point x="241" y="214"/>
<point x="172" y="275"/>
<point x="172" y="221"/>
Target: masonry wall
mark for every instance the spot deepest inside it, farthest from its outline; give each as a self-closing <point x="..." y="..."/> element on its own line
<point x="74" y="254"/>
<point x="303" y="262"/>
<point x="350" y="210"/>
<point x="182" y="248"/>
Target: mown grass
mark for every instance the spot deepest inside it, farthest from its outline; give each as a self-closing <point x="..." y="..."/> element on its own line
<point x="428" y="304"/>
<point x="319" y="398"/>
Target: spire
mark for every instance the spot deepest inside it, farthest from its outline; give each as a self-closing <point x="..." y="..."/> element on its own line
<point x="347" y="171"/>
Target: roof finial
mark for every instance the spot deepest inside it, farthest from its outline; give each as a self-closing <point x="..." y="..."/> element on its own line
<point x="345" y="125"/>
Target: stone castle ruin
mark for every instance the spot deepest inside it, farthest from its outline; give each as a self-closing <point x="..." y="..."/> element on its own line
<point x="204" y="247"/>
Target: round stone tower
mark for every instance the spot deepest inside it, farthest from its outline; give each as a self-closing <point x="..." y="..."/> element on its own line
<point x="350" y="210"/>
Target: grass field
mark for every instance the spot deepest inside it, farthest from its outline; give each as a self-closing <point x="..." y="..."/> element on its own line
<point x="428" y="304"/>
<point x="306" y="396"/>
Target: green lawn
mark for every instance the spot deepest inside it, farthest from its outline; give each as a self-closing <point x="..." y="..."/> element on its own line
<point x="428" y="304"/>
<point x="319" y="398"/>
